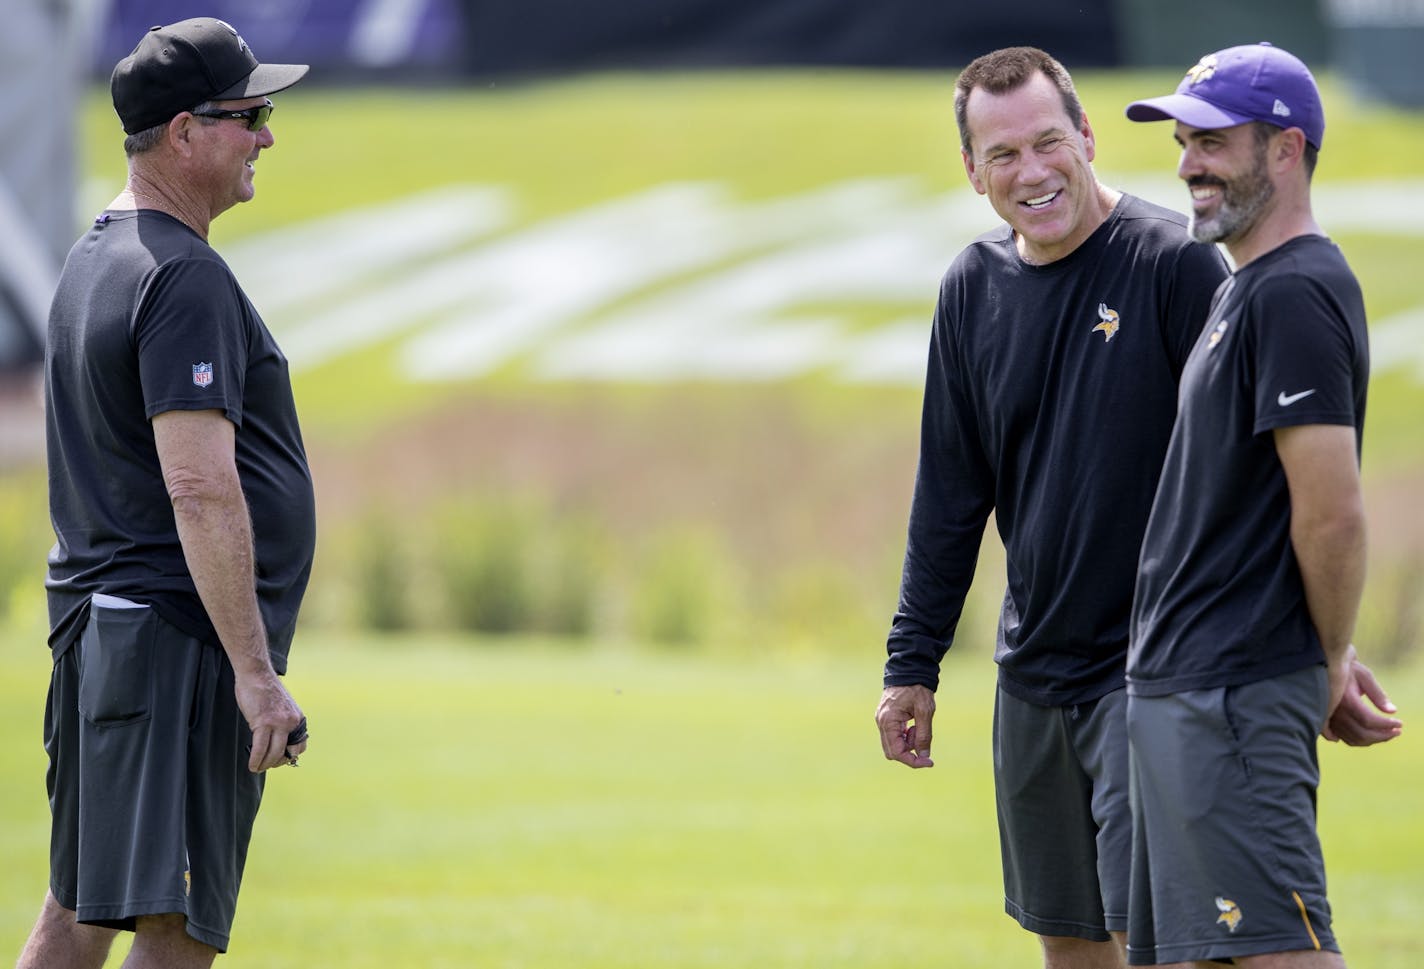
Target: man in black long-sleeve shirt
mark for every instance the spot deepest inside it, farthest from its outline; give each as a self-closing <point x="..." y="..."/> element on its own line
<point x="1057" y="344"/>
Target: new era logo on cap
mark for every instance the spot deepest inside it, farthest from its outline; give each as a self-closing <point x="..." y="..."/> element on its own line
<point x="1253" y="82"/>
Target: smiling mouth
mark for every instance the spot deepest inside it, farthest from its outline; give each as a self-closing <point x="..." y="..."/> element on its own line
<point x="1041" y="201"/>
<point x="1205" y="191"/>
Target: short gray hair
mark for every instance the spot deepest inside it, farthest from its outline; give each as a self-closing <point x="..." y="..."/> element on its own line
<point x="148" y="139"/>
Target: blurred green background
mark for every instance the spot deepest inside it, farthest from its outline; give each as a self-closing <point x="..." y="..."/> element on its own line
<point x="654" y="500"/>
<point x="591" y="655"/>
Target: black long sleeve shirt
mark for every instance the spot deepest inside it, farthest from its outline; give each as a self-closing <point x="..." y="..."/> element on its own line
<point x="1049" y="400"/>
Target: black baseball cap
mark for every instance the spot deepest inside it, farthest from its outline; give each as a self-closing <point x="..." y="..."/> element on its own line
<point x="178" y="67"/>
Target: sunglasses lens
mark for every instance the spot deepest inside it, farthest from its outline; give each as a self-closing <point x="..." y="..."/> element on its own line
<point x="257" y="117"/>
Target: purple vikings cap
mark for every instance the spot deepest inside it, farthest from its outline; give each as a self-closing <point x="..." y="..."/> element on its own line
<point x="1254" y="82"/>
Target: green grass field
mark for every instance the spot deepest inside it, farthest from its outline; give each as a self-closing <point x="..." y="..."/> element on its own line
<point x="475" y="804"/>
<point x="526" y="805"/>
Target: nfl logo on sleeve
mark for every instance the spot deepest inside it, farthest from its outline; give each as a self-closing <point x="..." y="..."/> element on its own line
<point x="202" y="374"/>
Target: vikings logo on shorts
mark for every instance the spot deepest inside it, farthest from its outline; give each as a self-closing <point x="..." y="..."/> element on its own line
<point x="1110" y="322"/>
<point x="1230" y="913"/>
<point x="202" y="374"/>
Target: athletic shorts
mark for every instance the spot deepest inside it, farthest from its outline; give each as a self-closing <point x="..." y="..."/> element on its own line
<point x="1226" y="861"/>
<point x="151" y="801"/>
<point x="1065" y="829"/>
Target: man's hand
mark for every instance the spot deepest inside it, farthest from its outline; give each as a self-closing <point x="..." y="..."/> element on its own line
<point x="1352" y="720"/>
<point x="272" y="715"/>
<point x="905" y="716"/>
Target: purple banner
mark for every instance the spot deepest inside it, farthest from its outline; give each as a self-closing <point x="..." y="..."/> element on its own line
<point x="334" y="36"/>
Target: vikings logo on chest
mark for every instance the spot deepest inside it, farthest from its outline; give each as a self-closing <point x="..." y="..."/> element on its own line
<point x="1109" y="322"/>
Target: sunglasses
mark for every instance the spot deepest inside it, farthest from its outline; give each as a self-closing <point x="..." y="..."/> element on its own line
<point x="255" y="119"/>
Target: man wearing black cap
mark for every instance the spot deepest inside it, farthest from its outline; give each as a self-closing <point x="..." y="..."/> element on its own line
<point x="183" y="509"/>
<point x="1253" y="562"/>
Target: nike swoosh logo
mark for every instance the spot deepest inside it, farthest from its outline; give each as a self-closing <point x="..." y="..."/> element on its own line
<point x="1286" y="400"/>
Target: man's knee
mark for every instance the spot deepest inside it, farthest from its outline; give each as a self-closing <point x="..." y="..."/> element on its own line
<point x="1305" y="959"/>
<point x="1065" y="952"/>
<point x="163" y="942"/>
<point x="59" y="939"/>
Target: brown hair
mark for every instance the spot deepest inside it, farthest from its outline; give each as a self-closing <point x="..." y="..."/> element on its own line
<point x="1008" y="69"/>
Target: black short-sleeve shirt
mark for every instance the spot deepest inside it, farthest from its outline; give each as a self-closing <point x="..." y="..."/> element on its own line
<point x="1220" y="601"/>
<point x="1049" y="401"/>
<point x="147" y="318"/>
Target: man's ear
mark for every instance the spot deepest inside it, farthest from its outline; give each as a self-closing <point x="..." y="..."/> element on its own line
<point x="972" y="171"/>
<point x="180" y="132"/>
<point x="1289" y="149"/>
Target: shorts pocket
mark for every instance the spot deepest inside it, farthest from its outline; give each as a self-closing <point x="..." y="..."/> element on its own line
<point x="116" y="664"/>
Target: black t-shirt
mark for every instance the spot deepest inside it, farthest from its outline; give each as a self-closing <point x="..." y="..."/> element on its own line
<point x="1049" y="400"/>
<point x="147" y="319"/>
<point x="1220" y="600"/>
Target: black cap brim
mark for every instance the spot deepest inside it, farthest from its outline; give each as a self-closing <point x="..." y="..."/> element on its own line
<point x="264" y="79"/>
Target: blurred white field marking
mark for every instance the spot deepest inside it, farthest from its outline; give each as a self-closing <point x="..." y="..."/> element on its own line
<point x="679" y="281"/>
<point x="522" y="285"/>
<point x="332" y="256"/>
<point x="577" y="268"/>
<point x="558" y="273"/>
<point x="742" y="322"/>
<point x="1398" y="341"/>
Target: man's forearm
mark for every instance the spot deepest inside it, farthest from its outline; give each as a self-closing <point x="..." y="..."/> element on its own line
<point x="1327" y="526"/>
<point x="196" y="451"/>
<point x="215" y="529"/>
<point x="1331" y="556"/>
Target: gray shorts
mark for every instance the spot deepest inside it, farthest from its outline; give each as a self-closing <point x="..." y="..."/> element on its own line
<point x="1226" y="861"/>
<point x="151" y="801"/>
<point x="1065" y="829"/>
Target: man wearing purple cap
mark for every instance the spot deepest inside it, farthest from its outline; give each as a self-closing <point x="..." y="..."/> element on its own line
<point x="1253" y="562"/>
<point x="183" y="508"/>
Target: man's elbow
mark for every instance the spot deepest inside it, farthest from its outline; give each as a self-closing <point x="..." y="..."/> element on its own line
<point x="195" y="491"/>
<point x="1339" y="530"/>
